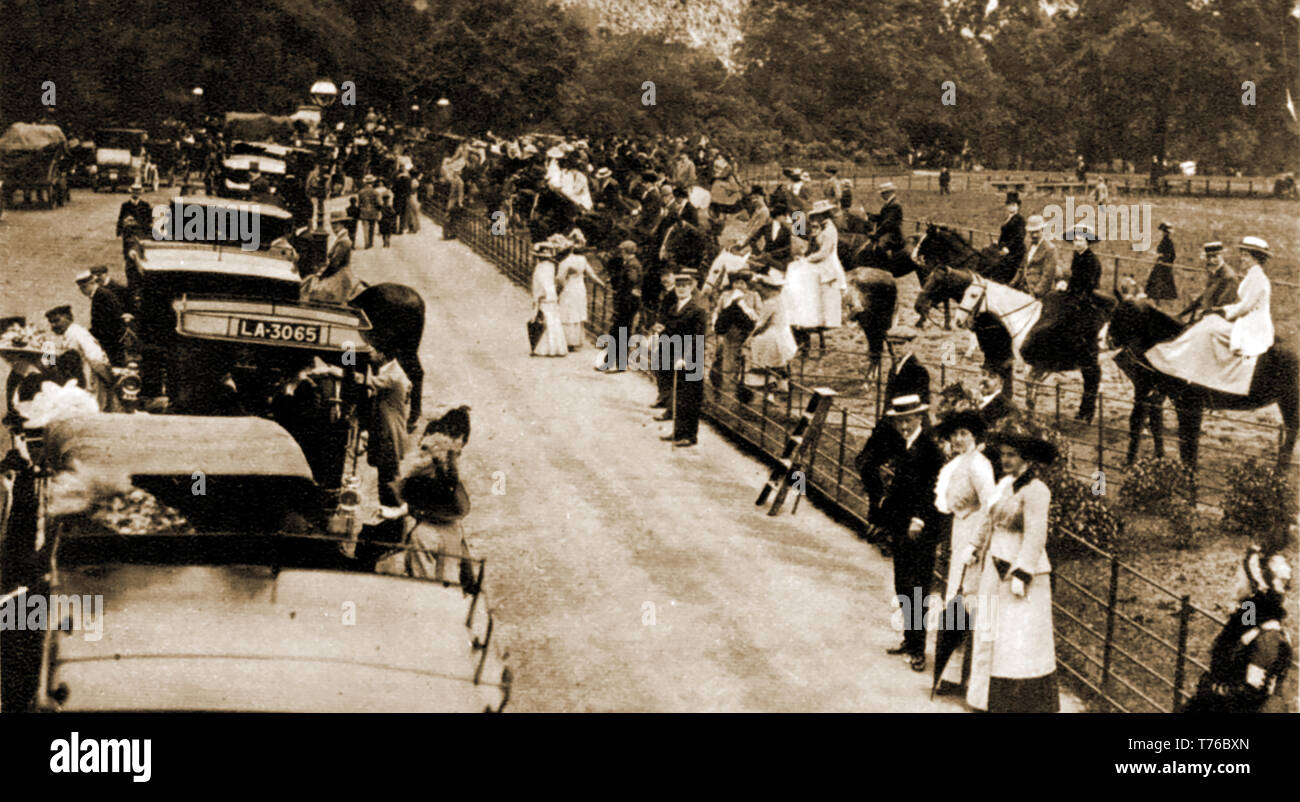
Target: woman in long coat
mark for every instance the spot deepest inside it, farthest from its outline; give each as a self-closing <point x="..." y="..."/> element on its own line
<point x="826" y="257"/>
<point x="1013" y="663"/>
<point x="570" y="276"/>
<point x="1160" y="281"/>
<point x="964" y="490"/>
<point x="546" y="302"/>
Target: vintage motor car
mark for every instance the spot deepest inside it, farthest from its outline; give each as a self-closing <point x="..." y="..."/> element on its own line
<point x="121" y="159"/>
<point x="82" y="158"/>
<point x="237" y="171"/>
<point x="166" y="596"/>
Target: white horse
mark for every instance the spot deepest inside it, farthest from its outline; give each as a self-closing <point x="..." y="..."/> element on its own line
<point x="1018" y="313"/>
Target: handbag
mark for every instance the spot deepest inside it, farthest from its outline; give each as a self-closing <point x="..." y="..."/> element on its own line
<point x="536" y="326"/>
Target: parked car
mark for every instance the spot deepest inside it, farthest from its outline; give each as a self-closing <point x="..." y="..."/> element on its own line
<point x="121" y="159"/>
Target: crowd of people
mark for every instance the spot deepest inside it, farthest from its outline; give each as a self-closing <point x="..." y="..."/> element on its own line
<point x="968" y="482"/>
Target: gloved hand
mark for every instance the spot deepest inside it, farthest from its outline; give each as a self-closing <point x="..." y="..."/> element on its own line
<point x="967" y="555"/>
<point x="1017" y="587"/>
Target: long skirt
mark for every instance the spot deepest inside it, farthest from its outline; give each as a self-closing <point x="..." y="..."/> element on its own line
<point x="832" y="305"/>
<point x="1160" y="282"/>
<point x="573" y="310"/>
<point x="552" y="342"/>
<point x="1203" y="355"/>
<point x="965" y="531"/>
<point x="774" y="348"/>
<point x="1013" y="651"/>
<point x="803" y="295"/>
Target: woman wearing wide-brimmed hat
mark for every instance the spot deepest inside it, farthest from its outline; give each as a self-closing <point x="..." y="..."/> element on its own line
<point x="964" y="490"/>
<point x="1013" y="663"/>
<point x="546" y="301"/>
<point x="772" y="345"/>
<point x="834" y="283"/>
<point x="570" y="276"/>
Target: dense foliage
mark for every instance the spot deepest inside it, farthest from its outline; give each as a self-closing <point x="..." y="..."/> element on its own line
<point x="1111" y="79"/>
<point x="1259" y="503"/>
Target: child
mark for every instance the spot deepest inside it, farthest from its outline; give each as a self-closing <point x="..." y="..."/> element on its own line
<point x="354" y="214"/>
<point x="387" y="220"/>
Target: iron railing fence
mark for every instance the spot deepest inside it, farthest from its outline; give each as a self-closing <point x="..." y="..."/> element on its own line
<point x="1122" y="652"/>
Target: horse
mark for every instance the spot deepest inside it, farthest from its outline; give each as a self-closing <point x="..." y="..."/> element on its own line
<point x="1136" y="327"/>
<point x="396" y="314"/>
<point x="941" y="245"/>
<point x="1005" y="320"/>
<point x="874" y="274"/>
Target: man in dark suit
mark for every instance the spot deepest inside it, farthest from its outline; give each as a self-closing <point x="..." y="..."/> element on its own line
<point x="682" y="346"/>
<point x="901" y="469"/>
<point x="401" y="197"/>
<point x="123" y="293"/>
<point x="134" y="210"/>
<point x="909" y="377"/>
<point x="889" y="224"/>
<point x="624" y="271"/>
<point x="105" y="316"/>
<point x="1011" y="242"/>
<point x="996" y="408"/>
<point x="1220" y="285"/>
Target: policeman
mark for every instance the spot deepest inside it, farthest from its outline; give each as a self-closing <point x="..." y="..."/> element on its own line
<point x="1250" y="657"/>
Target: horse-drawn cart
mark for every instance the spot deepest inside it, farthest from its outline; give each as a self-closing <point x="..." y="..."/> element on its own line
<point x="33" y="160"/>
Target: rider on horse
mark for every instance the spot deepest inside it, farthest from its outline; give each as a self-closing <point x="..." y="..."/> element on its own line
<point x="1011" y="242"/>
<point x="889" y="225"/>
<point x="1221" y="349"/>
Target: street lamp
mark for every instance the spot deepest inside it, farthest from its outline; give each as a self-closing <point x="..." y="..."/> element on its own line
<point x="415" y="114"/>
<point x="324" y="92"/>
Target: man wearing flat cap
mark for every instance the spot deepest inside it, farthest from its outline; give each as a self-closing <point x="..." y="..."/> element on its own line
<point x="1220" y="284"/>
<point x="899" y="466"/>
<point x="96" y="373"/>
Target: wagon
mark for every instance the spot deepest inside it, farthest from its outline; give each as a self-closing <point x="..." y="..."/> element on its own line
<point x="230" y="599"/>
<point x="33" y="160"/>
<point x="121" y="159"/>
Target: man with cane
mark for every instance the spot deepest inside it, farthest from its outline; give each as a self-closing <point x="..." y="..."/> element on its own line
<point x="681" y="349"/>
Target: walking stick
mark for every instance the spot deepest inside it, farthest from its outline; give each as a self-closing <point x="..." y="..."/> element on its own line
<point x="672" y="405"/>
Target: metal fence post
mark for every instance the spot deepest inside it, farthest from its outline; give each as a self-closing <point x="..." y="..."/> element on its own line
<point x="1180" y="666"/>
<point x="1112" y="597"/>
<point x="947" y="316"/>
<point x="1101" y="431"/>
<point x="1058" y="405"/>
<point x="839" y="463"/>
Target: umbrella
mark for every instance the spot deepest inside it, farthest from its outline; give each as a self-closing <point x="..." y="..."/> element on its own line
<point x="535" y="328"/>
<point x="954" y="627"/>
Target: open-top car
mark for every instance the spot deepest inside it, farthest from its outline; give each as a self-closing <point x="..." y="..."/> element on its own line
<point x="186" y="567"/>
<point x="237" y="174"/>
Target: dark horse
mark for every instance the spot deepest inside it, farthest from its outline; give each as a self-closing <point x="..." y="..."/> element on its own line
<point x="1136" y="327"/>
<point x="396" y="315"/>
<point x="1050" y="336"/>
<point x="874" y="273"/>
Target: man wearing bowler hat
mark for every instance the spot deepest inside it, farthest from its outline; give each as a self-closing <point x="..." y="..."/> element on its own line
<point x="889" y="224"/>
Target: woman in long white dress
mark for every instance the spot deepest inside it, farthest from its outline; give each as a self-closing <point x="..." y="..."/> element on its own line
<point x="1013" y="663"/>
<point x="802" y="292"/>
<point x="1220" y="352"/>
<point x="546" y="302"/>
<point x="570" y="276"/>
<point x="772" y="345"/>
<point x="964" y="490"/>
<point x="833" y="283"/>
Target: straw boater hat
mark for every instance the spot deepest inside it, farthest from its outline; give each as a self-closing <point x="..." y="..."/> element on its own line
<point x="369" y="179"/>
<point x="604" y="172"/>
<point x="1165" y="225"/>
<point x="888" y="186"/>
<point x="1212" y="248"/>
<point x="1035" y="223"/>
<point x="822" y="207"/>
<point x="905" y="405"/>
<point x="1254" y="245"/>
<point x="683" y="274"/>
<point x="1033" y="449"/>
<point x="84" y="277"/>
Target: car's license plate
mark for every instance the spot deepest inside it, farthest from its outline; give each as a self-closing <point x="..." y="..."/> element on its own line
<point x="274" y="331"/>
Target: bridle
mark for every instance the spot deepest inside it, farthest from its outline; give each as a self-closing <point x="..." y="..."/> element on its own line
<point x="981" y="304"/>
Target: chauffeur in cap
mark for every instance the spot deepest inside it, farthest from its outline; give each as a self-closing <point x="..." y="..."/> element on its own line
<point x="105" y="315"/>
